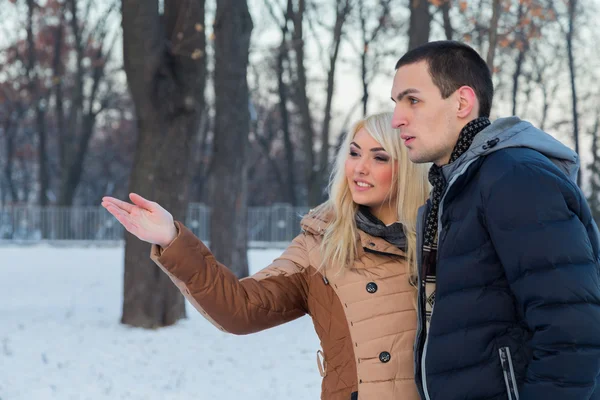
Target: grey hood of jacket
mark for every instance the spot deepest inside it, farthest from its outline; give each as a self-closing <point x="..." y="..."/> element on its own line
<point x="514" y="132"/>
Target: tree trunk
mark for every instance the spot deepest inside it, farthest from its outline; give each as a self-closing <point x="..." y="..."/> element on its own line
<point x="523" y="48"/>
<point x="58" y="75"/>
<point x="363" y="57"/>
<point x="165" y="66"/>
<point x="365" y="84"/>
<point x="448" y="29"/>
<point x="493" y="34"/>
<point x="420" y="18"/>
<point x="74" y="143"/>
<point x="228" y="186"/>
<point x="44" y="178"/>
<point x="301" y="99"/>
<point x="290" y="187"/>
<point x="318" y="184"/>
<point x="572" y="4"/>
<point x="9" y="154"/>
<point x="40" y="109"/>
<point x="367" y="41"/>
<point x="75" y="167"/>
<point x="594" y="198"/>
<point x="594" y="167"/>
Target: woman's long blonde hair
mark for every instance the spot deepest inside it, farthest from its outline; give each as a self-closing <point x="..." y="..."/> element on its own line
<point x="339" y="245"/>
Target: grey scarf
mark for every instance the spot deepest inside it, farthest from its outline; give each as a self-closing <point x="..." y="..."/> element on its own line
<point x="368" y="223"/>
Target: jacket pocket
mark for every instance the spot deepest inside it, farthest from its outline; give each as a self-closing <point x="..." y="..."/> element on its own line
<point x="322" y="365"/>
<point x="509" y="373"/>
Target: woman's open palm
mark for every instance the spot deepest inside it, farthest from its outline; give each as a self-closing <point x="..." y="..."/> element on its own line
<point x="145" y="219"/>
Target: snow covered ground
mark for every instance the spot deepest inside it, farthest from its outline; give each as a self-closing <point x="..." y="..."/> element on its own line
<point x="60" y="338"/>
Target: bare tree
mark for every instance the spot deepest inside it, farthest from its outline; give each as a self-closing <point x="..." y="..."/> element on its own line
<point x="301" y="98"/>
<point x="10" y="115"/>
<point x="39" y="98"/>
<point x="76" y="129"/>
<point x="445" y="8"/>
<point x="522" y="34"/>
<point x="493" y="33"/>
<point x="165" y="67"/>
<point x="569" y="36"/>
<point x="368" y="48"/>
<point x="594" y="168"/>
<point x="543" y="72"/>
<point x="283" y="90"/>
<point x="55" y="77"/>
<point x="316" y="194"/>
<point x="522" y="45"/>
<point x="419" y="24"/>
<point x="228" y="192"/>
<point x="316" y="162"/>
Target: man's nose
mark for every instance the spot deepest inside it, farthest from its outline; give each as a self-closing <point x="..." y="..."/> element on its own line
<point x="398" y="118"/>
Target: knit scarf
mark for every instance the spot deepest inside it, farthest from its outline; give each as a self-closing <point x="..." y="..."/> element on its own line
<point x="436" y="178"/>
<point x="368" y="223"/>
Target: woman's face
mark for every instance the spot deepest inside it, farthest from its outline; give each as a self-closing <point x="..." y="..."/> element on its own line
<point x="369" y="170"/>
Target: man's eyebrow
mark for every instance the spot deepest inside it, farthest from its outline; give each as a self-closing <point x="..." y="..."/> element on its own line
<point x="402" y="94"/>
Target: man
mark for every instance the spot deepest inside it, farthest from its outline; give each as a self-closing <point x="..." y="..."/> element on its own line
<point x="509" y="298"/>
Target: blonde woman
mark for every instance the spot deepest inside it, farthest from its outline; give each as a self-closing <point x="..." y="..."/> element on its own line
<point x="350" y="269"/>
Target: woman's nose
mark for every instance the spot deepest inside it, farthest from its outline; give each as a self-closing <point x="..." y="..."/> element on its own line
<point x="361" y="168"/>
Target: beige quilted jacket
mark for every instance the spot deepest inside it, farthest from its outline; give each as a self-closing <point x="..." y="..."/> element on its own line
<point x="365" y="318"/>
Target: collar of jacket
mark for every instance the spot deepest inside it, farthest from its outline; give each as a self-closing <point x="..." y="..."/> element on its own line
<point x="316" y="225"/>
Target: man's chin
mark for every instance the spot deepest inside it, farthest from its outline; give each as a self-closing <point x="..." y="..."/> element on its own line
<point x="417" y="158"/>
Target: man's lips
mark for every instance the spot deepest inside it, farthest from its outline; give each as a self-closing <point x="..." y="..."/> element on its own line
<point x="406" y="138"/>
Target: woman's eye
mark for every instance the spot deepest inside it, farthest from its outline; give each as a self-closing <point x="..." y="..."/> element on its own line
<point x="353" y="153"/>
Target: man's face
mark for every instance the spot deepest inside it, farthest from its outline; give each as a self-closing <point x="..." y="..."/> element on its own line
<point x="428" y="123"/>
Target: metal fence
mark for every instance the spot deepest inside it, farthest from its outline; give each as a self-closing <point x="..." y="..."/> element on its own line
<point x="269" y="226"/>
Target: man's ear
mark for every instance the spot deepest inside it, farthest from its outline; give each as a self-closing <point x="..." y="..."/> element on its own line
<point x="467" y="102"/>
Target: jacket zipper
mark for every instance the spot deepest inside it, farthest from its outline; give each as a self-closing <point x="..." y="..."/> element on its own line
<point x="440" y="230"/>
<point x="509" y="373"/>
<point x="420" y="337"/>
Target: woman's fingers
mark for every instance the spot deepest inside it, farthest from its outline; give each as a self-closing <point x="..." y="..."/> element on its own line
<point x="118" y="213"/>
<point x="144" y="219"/>
<point x="118" y="203"/>
<point x="131" y="223"/>
<point x="140" y="201"/>
<point x="125" y="219"/>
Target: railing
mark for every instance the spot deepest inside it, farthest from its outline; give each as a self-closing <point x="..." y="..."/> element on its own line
<point x="274" y="225"/>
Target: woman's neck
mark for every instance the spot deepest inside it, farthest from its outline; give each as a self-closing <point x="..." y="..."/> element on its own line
<point x="385" y="214"/>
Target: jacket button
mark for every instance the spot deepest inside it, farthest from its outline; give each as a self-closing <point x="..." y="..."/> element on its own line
<point x="384" y="357"/>
<point x="491" y="143"/>
<point x="371" y="287"/>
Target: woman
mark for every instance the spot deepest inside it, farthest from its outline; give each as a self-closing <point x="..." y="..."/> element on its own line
<point x="350" y="269"/>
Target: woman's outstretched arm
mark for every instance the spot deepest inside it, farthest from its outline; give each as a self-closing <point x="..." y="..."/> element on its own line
<point x="273" y="296"/>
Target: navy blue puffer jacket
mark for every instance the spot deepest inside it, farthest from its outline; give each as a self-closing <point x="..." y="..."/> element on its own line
<point x="517" y="307"/>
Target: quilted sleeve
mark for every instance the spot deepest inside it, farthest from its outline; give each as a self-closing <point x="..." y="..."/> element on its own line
<point x="273" y="296"/>
<point x="542" y="230"/>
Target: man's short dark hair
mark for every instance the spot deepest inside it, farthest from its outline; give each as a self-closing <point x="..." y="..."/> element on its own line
<point x="451" y="65"/>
